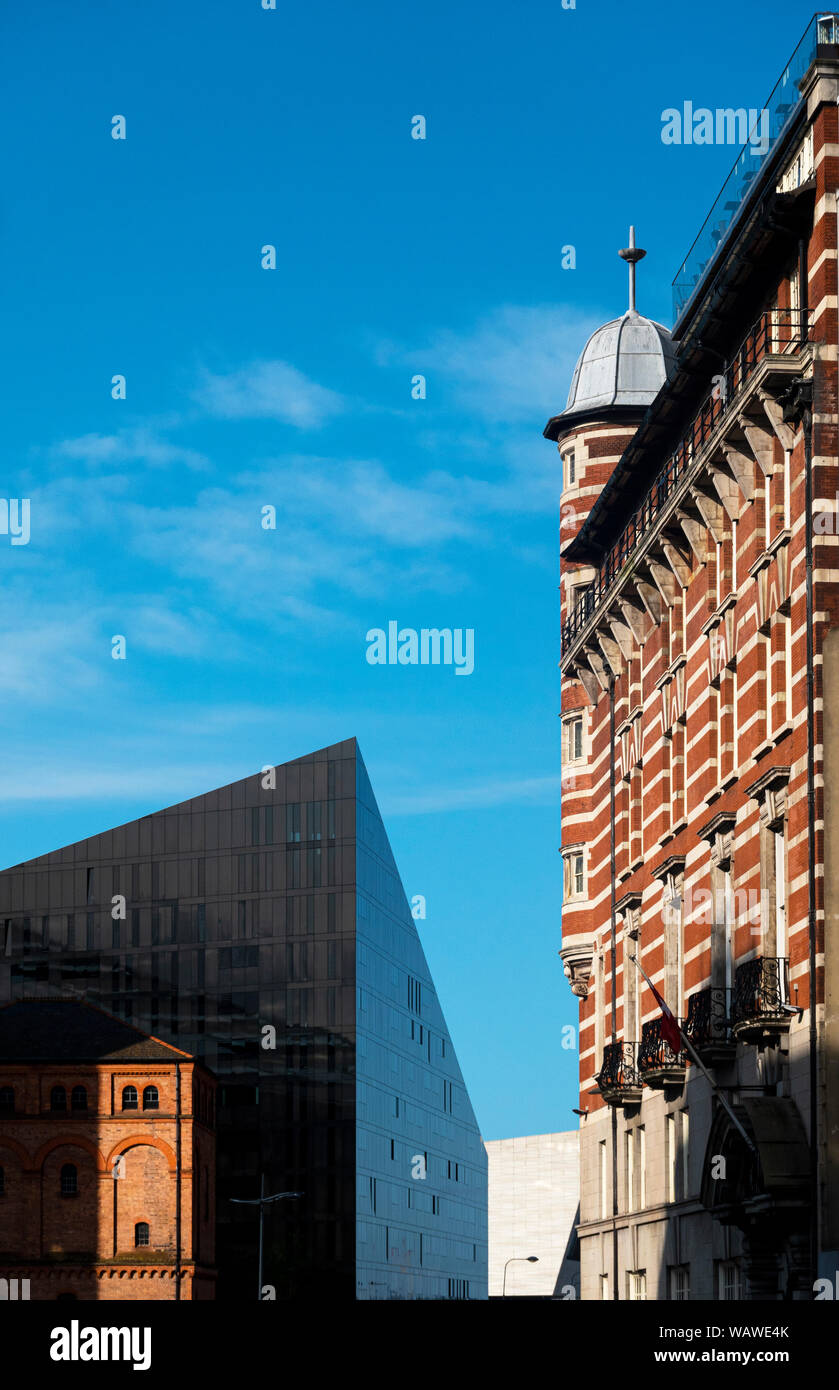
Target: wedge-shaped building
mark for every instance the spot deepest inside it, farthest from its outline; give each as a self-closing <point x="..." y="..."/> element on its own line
<point x="264" y="929"/>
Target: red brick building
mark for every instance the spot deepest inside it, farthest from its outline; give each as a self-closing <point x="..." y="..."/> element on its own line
<point x="107" y="1158"/>
<point x="700" y="708"/>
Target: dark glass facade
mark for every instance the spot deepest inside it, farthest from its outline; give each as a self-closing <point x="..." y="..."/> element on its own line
<point x="263" y="927"/>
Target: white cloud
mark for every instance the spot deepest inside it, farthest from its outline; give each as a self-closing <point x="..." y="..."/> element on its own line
<point x="515" y="364"/>
<point x="139" y="445"/>
<point x="532" y="791"/>
<point x="268" y="390"/>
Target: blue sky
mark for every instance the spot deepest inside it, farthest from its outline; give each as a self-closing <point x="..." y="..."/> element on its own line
<point x="292" y="388"/>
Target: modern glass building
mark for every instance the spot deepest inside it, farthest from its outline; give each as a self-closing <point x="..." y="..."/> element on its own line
<point x="263" y="927"/>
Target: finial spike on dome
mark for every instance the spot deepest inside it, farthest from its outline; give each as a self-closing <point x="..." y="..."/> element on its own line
<point x="632" y="254"/>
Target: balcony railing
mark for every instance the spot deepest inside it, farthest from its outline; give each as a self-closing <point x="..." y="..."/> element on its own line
<point x="784" y="101"/>
<point x="658" y="1064"/>
<point x="708" y="1024"/>
<point x="761" y="990"/>
<point x="618" y="1079"/>
<point x="776" y="333"/>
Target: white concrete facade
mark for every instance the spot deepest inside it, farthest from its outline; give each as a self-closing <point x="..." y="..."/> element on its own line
<point x="534" y="1192"/>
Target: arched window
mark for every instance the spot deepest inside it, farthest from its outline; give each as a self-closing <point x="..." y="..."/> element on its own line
<point x="141" y="1233"/>
<point x="129" y="1098"/>
<point x="58" y="1098"/>
<point x="151" y="1099"/>
<point x="7" y="1097"/>
<point x="78" y="1099"/>
<point x="69" y="1180"/>
<point x="2" y="1182"/>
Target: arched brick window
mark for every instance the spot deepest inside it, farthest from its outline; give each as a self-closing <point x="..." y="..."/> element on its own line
<point x="69" y="1180"/>
<point x="7" y="1097"/>
<point x="141" y="1233"/>
<point x="129" y="1097"/>
<point x="78" y="1098"/>
<point x="58" y="1098"/>
<point x="151" y="1099"/>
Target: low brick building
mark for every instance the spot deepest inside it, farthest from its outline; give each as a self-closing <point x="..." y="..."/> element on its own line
<point x="107" y="1158"/>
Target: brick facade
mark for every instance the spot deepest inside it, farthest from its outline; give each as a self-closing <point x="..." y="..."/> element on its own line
<point x="134" y="1146"/>
<point x="697" y="806"/>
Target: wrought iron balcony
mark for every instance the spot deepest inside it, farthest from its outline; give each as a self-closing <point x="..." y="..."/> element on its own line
<point x="618" y="1078"/>
<point x="777" y="332"/>
<point x="708" y="1025"/>
<point x="760" y="1012"/>
<point x="658" y="1064"/>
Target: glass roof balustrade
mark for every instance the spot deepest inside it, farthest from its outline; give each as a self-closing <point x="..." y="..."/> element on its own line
<point x="766" y="130"/>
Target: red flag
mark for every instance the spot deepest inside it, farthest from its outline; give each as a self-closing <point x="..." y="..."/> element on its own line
<point x="669" y="1027"/>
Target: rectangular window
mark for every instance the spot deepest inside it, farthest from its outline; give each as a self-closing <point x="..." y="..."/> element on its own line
<point x="600" y="1011"/>
<point x="679" y="1283"/>
<point x="779" y="847"/>
<point x="629" y="1147"/>
<point x="642" y="1167"/>
<point x="574" y="739"/>
<point x="636" y="1290"/>
<point x="679" y="773"/>
<point x="786" y="639"/>
<point x="728" y="1281"/>
<point x="685" y="1147"/>
<point x="604" y="1288"/>
<point x="569" y="460"/>
<point x="574" y="875"/>
<point x="674" y="942"/>
<point x="717" y="735"/>
<point x="735" y="746"/>
<point x="671" y="1158"/>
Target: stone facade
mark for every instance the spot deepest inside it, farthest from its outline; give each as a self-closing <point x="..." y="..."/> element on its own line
<point x="534" y="1197"/>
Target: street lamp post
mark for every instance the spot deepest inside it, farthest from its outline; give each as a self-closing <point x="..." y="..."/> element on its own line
<point x="528" y="1259"/>
<point x="262" y="1201"/>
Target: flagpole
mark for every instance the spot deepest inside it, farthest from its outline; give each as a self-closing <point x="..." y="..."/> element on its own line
<point x="694" y="1058"/>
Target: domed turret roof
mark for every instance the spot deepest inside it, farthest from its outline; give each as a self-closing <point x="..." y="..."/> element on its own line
<point x="622" y="367"/>
<point x="625" y="362"/>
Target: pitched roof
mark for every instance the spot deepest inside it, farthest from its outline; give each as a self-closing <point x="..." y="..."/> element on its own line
<point x="70" y="1030"/>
